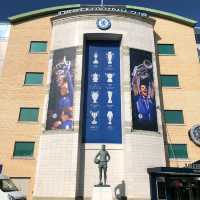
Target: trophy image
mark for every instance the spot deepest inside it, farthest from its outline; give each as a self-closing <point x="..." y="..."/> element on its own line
<point x="109" y="96"/>
<point x="95" y="77"/>
<point x="67" y="63"/>
<point x="95" y="96"/>
<point x="109" y="77"/>
<point x="95" y="61"/>
<point x="142" y="70"/>
<point x="110" y="117"/>
<point x="109" y="56"/>
<point x="94" y="116"/>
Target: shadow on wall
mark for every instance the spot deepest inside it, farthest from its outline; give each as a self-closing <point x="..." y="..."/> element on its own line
<point x="120" y="191"/>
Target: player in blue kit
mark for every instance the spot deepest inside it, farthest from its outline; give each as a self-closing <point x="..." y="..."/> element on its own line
<point x="144" y="109"/>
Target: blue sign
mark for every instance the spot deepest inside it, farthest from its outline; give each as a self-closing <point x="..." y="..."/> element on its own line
<point x="103" y="23"/>
<point x="102" y="98"/>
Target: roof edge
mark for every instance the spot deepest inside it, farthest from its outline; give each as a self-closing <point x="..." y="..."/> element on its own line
<point x="153" y="12"/>
<point x="164" y="14"/>
<point x="41" y="12"/>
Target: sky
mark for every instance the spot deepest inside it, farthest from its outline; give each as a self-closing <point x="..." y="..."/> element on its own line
<point x="186" y="8"/>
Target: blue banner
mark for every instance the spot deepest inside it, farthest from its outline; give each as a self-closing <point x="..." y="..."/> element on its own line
<point x="60" y="108"/>
<point x="142" y="91"/>
<point x="102" y="99"/>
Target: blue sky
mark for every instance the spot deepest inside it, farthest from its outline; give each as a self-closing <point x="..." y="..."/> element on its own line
<point x="186" y="8"/>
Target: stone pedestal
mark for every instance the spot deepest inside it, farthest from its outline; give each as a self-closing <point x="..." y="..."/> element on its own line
<point x="102" y="193"/>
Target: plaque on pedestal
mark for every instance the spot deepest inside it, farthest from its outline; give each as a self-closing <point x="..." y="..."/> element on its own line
<point x="102" y="193"/>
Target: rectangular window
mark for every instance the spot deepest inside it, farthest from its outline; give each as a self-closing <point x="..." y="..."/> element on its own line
<point x="33" y="78"/>
<point x="23" y="149"/>
<point x="38" y="47"/>
<point x="198" y="50"/>
<point x="177" y="151"/>
<point x="169" y="80"/>
<point x="173" y="116"/>
<point x="197" y="36"/>
<point x="28" y="114"/>
<point x="166" y="49"/>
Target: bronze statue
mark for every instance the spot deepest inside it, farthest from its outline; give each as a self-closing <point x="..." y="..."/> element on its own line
<point x="102" y="158"/>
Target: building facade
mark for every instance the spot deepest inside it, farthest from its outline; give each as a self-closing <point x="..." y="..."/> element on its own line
<point x="83" y="76"/>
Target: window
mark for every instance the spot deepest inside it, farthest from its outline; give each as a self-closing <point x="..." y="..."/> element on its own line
<point x="198" y="50"/>
<point x="177" y="151"/>
<point x="166" y="49"/>
<point x="33" y="78"/>
<point x="197" y="35"/>
<point x="28" y="114"/>
<point x="161" y="190"/>
<point x="169" y="80"/>
<point x="23" y="149"/>
<point x="174" y="116"/>
<point x="38" y="47"/>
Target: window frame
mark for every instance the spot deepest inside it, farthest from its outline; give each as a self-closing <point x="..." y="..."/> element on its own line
<point x="166" y="54"/>
<point x="33" y="84"/>
<point x="169" y="75"/>
<point x="174" y="123"/>
<point x="28" y="121"/>
<point x="23" y="156"/>
<point x="37" y="52"/>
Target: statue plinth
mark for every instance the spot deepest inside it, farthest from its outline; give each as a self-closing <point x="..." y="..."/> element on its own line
<point x="102" y="193"/>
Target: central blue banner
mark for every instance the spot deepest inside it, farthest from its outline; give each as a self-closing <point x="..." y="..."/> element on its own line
<point x="102" y="98"/>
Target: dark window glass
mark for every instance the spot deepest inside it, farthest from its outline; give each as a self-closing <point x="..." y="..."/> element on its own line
<point x="177" y="151"/>
<point x="173" y="116"/>
<point x="166" y="49"/>
<point x="33" y="78"/>
<point x="24" y="149"/>
<point x="28" y="114"/>
<point x="38" y="47"/>
<point x="197" y="36"/>
<point x="198" y="50"/>
<point x="169" y="80"/>
<point x="161" y="190"/>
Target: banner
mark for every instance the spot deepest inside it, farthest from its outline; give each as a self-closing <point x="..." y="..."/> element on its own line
<point x="142" y="91"/>
<point x="60" y="108"/>
<point x="102" y="100"/>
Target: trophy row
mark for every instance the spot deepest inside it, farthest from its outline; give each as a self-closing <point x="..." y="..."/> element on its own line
<point x="109" y="57"/>
<point x="95" y="96"/>
<point x="94" y="116"/>
<point x="96" y="76"/>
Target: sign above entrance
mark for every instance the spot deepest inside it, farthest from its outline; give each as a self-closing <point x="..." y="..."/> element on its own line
<point x="103" y="23"/>
<point x="108" y="9"/>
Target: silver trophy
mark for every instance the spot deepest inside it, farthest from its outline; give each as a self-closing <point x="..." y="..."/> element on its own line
<point x="95" y="61"/>
<point x="110" y="117"/>
<point x="109" y="96"/>
<point x="109" y="56"/>
<point x="94" y="116"/>
<point x="142" y="70"/>
<point x="95" y="96"/>
<point x="67" y="63"/>
<point x="109" y="77"/>
<point x="95" y="77"/>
